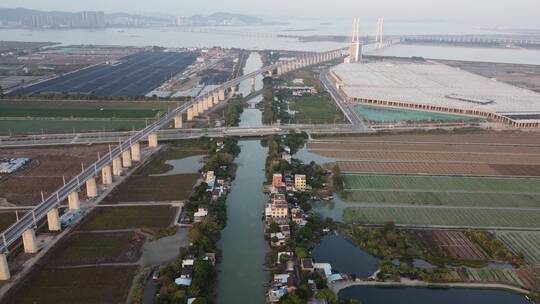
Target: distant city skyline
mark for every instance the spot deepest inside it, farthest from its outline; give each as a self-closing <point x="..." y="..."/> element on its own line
<point x="521" y="13"/>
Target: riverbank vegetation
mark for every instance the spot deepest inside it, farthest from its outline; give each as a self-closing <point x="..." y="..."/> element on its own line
<point x="197" y="262"/>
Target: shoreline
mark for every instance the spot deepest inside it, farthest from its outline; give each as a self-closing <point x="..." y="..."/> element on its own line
<point x="338" y="286"/>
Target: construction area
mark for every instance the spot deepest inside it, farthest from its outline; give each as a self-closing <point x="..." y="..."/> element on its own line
<point x="429" y="86"/>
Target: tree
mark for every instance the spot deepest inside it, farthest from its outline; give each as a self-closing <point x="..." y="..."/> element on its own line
<point x="328" y="295"/>
<point x="337" y="179"/>
<point x="274" y="227"/>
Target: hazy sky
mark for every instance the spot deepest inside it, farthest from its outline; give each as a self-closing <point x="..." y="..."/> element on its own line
<point x="516" y="13"/>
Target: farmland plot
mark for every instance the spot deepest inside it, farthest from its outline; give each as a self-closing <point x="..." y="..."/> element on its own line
<point x="444" y="216"/>
<point x="454" y="243"/>
<point x="527" y="243"/>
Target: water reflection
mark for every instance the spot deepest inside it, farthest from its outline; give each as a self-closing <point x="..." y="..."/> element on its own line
<point x="186" y="165"/>
<point x="411" y="295"/>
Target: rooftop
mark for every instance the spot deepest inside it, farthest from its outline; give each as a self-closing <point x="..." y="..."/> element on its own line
<point x="434" y="84"/>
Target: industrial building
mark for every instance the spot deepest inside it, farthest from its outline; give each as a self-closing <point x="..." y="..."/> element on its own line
<point x="8" y="166"/>
<point x="429" y="86"/>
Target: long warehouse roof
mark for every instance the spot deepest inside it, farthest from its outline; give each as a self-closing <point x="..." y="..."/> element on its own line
<point x="434" y="84"/>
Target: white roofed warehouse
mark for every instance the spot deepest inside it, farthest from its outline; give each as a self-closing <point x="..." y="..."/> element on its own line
<point x="429" y="86"/>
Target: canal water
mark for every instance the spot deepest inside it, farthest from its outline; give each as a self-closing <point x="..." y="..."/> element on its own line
<point x="345" y="256"/>
<point x="186" y="165"/>
<point x="253" y="63"/>
<point x="241" y="272"/>
<point x="411" y="295"/>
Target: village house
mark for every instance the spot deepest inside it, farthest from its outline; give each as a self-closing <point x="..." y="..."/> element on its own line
<point x="276" y="211"/>
<point x="300" y="182"/>
<point x="200" y="214"/>
<point x="277" y="180"/>
<point x="307" y="265"/>
<point x="277" y="239"/>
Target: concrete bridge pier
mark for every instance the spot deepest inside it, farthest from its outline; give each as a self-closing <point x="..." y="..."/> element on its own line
<point x="30" y="241"/>
<point x="91" y="188"/>
<point x="189" y="114"/>
<point x="53" y="220"/>
<point x="221" y="94"/>
<point x="136" y="147"/>
<point x="233" y="91"/>
<point x="177" y="122"/>
<point x="117" y="166"/>
<point x="153" y="140"/>
<point x="126" y="159"/>
<point x="279" y="70"/>
<point x="106" y="175"/>
<point x="200" y="107"/>
<point x="4" y="268"/>
<point x="208" y="102"/>
<point x="73" y="201"/>
<point x="216" y="98"/>
<point x="195" y="110"/>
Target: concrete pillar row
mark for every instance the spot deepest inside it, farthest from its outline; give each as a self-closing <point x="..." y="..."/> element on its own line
<point x="53" y="220"/>
<point x="4" y="268"/>
<point x="30" y="241"/>
<point x="177" y="122"/>
<point x="126" y="159"/>
<point x="73" y="201"/>
<point x="153" y="140"/>
<point x="106" y="175"/>
<point x="205" y="104"/>
<point x="136" y="148"/>
<point x="200" y="107"/>
<point x="190" y="114"/>
<point x="117" y="166"/>
<point x="221" y="94"/>
<point x="91" y="188"/>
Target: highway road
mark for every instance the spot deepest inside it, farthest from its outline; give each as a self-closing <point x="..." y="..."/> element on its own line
<point x="171" y="134"/>
<point x="342" y="103"/>
<point x="29" y="220"/>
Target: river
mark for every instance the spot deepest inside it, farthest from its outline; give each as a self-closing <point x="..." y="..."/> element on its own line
<point x="238" y="38"/>
<point x="241" y="272"/>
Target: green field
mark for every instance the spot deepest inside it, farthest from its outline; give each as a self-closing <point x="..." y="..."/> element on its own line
<point x="32" y="126"/>
<point x="95" y="248"/>
<point x="524" y="242"/>
<point x="51" y="116"/>
<point x="83" y="109"/>
<point x="442" y="190"/>
<point x="113" y="218"/>
<point x="442" y="183"/>
<point x="494" y="275"/>
<point x="451" y="217"/>
<point x="316" y="109"/>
